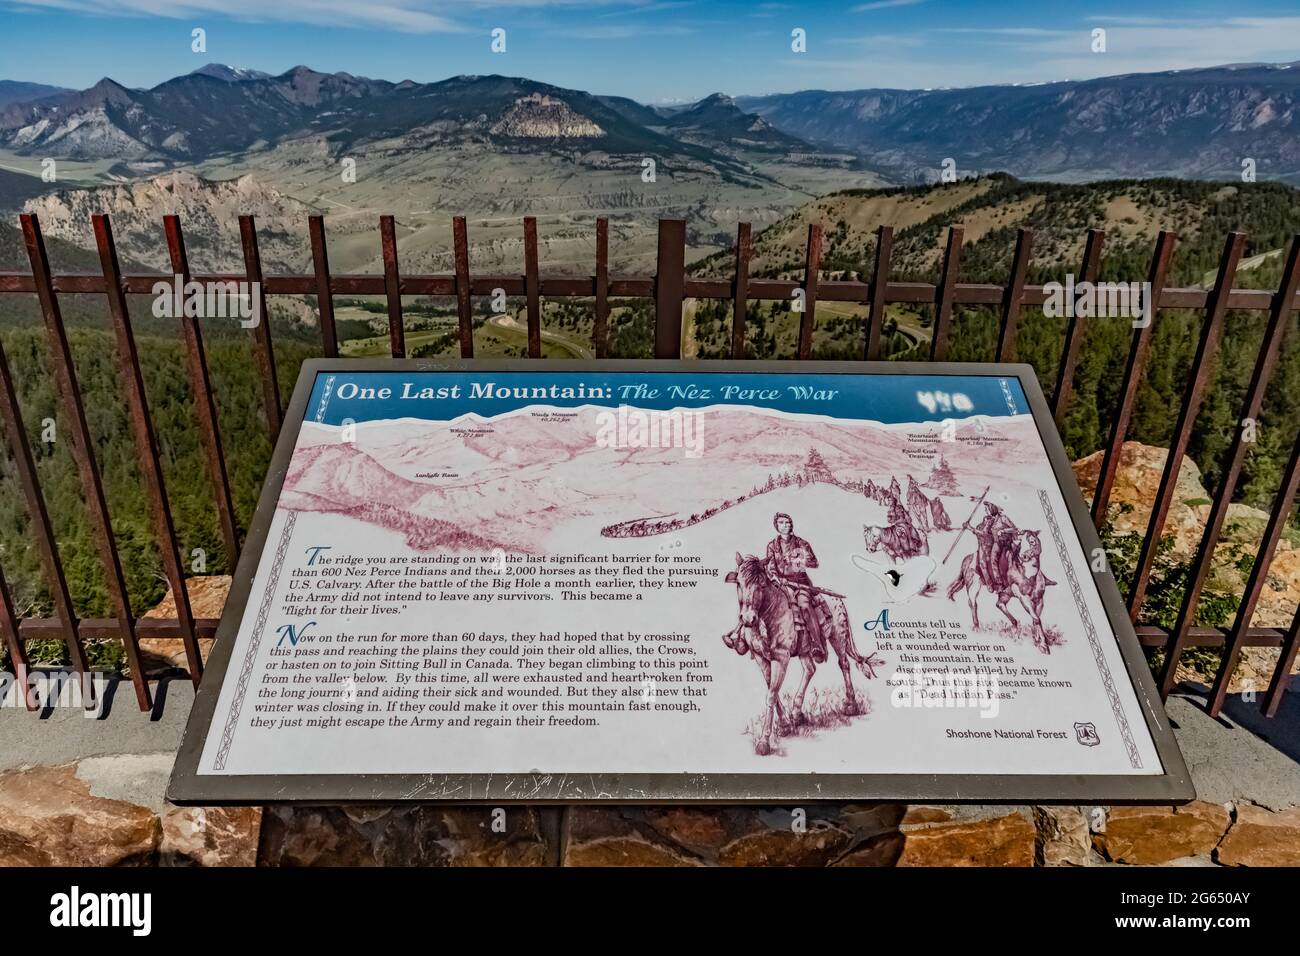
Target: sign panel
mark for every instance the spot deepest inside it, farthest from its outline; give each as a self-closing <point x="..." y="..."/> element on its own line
<point x="673" y="581"/>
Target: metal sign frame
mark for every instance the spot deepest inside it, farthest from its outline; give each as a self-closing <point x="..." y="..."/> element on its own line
<point x="188" y="787"/>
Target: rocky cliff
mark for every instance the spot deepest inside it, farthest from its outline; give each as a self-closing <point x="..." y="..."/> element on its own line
<point x="538" y="116"/>
<point x="209" y="211"/>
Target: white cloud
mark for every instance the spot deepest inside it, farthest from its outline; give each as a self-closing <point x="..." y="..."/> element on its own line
<point x="1148" y="44"/>
<point x="882" y="40"/>
<point x="409" y="16"/>
<point x="1011" y="31"/>
<point x="1149" y="21"/>
<point x="641" y="8"/>
<point x="621" y="32"/>
<point x="1027" y="54"/>
<point x="884" y="5"/>
<point x="401" y="15"/>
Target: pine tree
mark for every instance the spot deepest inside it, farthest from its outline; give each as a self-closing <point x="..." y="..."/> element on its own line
<point x="942" y="479"/>
<point x="815" y="468"/>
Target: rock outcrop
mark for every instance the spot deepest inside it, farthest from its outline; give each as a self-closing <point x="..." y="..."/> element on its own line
<point x="209" y="211"/>
<point x="207" y="600"/>
<point x="538" y="116"/>
<point x="1136" y="484"/>
<point x="49" y="817"/>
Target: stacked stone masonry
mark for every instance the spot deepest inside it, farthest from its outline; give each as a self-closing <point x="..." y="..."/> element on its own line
<point x="50" y="816"/>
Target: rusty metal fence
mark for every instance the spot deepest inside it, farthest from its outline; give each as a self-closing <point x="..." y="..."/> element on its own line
<point x="669" y="288"/>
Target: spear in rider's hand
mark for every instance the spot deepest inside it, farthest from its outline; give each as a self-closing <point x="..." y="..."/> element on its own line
<point x="965" y="524"/>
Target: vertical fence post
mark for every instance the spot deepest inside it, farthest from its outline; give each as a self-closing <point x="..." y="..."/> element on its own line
<point x="46" y="546"/>
<point x="1074" y="331"/>
<point x="320" y="261"/>
<point x="13" y="640"/>
<point x="392" y="287"/>
<point x="146" y="444"/>
<point x="1282" y="674"/>
<point x="1206" y="349"/>
<point x="943" y="302"/>
<point x="1012" y="295"/>
<point x="740" y="290"/>
<point x="1137" y="357"/>
<point x="531" y="288"/>
<point x="1277" y="520"/>
<point x="811" y="264"/>
<point x="263" y="350"/>
<point x="464" y="305"/>
<point x="670" y="286"/>
<point x="82" y="447"/>
<point x="205" y="403"/>
<point x="600" y="326"/>
<point x="1278" y="320"/>
<point x="878" y="289"/>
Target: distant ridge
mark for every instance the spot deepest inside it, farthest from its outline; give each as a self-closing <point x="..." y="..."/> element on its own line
<point x="14" y="91"/>
<point x="231" y="74"/>
<point x="1200" y="123"/>
<point x="219" y="110"/>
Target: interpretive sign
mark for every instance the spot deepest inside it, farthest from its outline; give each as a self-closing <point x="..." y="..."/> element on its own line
<point x="641" y="582"/>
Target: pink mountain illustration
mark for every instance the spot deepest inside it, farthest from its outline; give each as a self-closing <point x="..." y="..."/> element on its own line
<point x="479" y="484"/>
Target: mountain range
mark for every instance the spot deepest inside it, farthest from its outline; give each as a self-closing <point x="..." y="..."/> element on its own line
<point x="493" y="147"/>
<point x="499" y="148"/>
<point x="1202" y="123"/>
<point x="16" y="91"/>
<point x="219" y="111"/>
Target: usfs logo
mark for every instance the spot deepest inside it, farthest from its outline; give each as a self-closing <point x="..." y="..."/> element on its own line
<point x="1085" y="732"/>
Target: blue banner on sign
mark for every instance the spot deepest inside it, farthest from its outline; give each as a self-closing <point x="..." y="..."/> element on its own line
<point x="339" y="397"/>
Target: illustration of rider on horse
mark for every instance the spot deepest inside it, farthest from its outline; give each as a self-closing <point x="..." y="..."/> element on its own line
<point x="788" y="559"/>
<point x="996" y="534"/>
<point x="1007" y="562"/>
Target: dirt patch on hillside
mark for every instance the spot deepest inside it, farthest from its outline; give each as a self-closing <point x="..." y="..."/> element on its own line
<point x="861" y="216"/>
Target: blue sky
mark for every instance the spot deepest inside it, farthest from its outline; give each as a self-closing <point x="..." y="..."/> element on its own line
<point x="652" y="50"/>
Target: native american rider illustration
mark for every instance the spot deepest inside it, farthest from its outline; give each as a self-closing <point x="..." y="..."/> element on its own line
<point x="1007" y="562"/>
<point x="995" y="533"/>
<point x="788" y="559"/>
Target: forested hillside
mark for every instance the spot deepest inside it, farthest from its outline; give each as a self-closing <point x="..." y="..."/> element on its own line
<point x="991" y="209"/>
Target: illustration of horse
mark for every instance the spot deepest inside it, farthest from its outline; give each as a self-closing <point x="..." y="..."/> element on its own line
<point x="900" y="540"/>
<point x="1025" y="581"/>
<point x="766" y="630"/>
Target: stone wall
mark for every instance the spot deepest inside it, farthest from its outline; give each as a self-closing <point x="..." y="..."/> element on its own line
<point x="69" y="815"/>
<point x="1207" y="834"/>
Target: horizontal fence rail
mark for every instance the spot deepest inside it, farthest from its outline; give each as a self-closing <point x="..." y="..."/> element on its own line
<point x="668" y="288"/>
